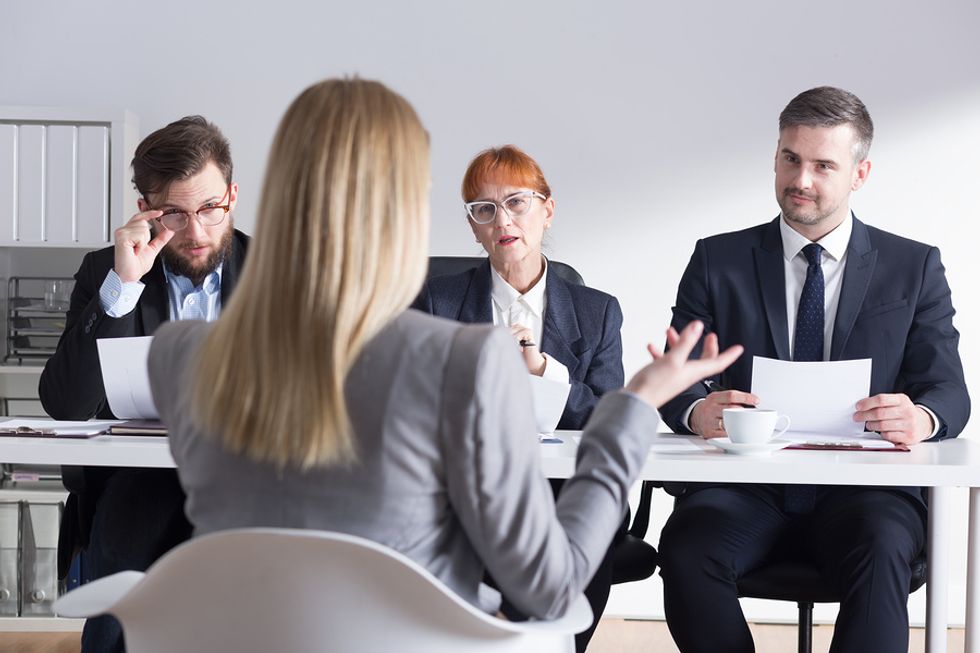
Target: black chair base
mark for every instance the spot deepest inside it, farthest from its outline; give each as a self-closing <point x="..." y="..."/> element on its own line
<point x="799" y="581"/>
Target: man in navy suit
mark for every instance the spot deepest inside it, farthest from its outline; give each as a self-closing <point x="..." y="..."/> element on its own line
<point x="813" y="284"/>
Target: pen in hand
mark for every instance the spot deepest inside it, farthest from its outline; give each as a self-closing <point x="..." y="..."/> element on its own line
<point x="712" y="386"/>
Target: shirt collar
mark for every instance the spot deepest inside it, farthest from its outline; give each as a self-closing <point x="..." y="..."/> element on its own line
<point x="504" y="295"/>
<point x="834" y="244"/>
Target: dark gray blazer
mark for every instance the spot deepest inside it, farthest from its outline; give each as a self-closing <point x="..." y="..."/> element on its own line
<point x="581" y="330"/>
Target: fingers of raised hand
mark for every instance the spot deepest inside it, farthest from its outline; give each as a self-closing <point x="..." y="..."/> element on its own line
<point x="686" y="340"/>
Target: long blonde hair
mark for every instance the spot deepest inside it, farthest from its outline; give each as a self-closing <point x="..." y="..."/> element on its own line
<point x="339" y="251"/>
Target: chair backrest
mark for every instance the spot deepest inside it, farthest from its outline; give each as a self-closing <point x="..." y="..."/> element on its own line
<point x="260" y="590"/>
<point x="440" y="265"/>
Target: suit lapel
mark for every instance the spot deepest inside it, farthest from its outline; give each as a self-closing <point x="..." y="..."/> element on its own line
<point x="153" y="304"/>
<point x="771" y="273"/>
<point x="477" y="306"/>
<point x="560" y="330"/>
<point x="860" y="266"/>
<point x="232" y="267"/>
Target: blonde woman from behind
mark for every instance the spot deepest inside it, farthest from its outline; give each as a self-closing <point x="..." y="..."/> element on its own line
<point x="318" y="401"/>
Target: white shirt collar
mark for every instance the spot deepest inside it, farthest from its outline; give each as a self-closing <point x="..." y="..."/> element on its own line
<point x="505" y="295"/>
<point x="834" y="244"/>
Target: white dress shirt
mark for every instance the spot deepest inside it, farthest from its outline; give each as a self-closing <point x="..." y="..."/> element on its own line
<point x="510" y="307"/>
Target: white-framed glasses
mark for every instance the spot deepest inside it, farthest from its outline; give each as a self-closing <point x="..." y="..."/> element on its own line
<point x="516" y="205"/>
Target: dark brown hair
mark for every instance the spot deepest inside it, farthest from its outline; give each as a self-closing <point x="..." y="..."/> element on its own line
<point x="826" y="106"/>
<point x="179" y="151"/>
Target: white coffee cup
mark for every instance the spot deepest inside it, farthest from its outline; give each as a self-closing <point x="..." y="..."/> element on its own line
<point x="752" y="425"/>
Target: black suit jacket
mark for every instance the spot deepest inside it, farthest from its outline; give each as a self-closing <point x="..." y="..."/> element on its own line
<point x="581" y="330"/>
<point x="71" y="385"/>
<point x="895" y="308"/>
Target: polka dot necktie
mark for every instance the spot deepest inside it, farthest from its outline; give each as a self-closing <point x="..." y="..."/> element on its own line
<point x="808" y="346"/>
<point x="808" y="343"/>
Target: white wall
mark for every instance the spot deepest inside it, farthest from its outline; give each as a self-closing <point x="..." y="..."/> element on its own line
<point x="654" y="122"/>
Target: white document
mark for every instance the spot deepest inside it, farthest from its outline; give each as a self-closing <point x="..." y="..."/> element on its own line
<point x="126" y="379"/>
<point x="549" y="399"/>
<point x="818" y="397"/>
<point x="865" y="440"/>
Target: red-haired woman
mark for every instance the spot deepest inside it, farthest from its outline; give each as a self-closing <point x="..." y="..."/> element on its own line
<point x="565" y="332"/>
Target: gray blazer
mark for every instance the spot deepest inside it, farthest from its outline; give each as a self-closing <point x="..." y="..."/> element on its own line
<point x="448" y="470"/>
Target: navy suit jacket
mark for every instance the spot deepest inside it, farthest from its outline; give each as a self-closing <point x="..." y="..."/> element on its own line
<point x="581" y="330"/>
<point x="895" y="308"/>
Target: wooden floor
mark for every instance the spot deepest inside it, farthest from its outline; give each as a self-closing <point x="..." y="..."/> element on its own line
<point x="612" y="636"/>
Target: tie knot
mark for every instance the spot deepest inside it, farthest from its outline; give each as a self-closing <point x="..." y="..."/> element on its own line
<point x="812" y="253"/>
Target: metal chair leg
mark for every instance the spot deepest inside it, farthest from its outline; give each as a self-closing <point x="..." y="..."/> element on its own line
<point x="805" y="637"/>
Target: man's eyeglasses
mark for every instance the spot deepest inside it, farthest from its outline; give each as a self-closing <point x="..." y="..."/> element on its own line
<point x="208" y="215"/>
<point x="516" y="205"/>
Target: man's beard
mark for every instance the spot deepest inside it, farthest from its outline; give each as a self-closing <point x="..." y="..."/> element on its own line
<point x="180" y="265"/>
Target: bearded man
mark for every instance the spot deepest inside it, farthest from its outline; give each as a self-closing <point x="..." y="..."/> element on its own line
<point x="177" y="259"/>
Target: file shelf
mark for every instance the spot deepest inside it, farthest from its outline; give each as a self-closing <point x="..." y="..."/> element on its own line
<point x="36" y="623"/>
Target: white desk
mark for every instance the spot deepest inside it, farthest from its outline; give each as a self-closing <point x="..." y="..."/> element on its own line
<point x="938" y="466"/>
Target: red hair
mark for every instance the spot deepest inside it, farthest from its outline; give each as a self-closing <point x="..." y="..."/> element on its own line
<point x="507" y="165"/>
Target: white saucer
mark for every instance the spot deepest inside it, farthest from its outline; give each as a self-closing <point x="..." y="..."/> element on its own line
<point x="751" y="448"/>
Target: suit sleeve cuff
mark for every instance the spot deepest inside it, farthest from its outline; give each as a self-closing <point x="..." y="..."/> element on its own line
<point x="686" y="419"/>
<point x="936" y="424"/>
<point x="118" y="298"/>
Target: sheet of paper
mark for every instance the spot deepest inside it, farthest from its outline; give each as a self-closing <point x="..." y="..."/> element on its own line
<point x="818" y="397"/>
<point x="549" y="399"/>
<point x="865" y="440"/>
<point x="124" y="373"/>
<point x="92" y="427"/>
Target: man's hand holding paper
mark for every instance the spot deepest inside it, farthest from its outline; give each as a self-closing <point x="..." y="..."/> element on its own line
<point x="896" y="418"/>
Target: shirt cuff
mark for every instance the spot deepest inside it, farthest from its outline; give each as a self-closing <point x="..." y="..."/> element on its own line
<point x="935" y="421"/>
<point x="554" y="370"/>
<point x="118" y="298"/>
<point x="686" y="420"/>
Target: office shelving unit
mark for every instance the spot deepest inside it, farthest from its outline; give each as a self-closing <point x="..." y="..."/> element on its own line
<point x="33" y="328"/>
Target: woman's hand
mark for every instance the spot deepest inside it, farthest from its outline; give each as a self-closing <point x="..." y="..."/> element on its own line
<point x="530" y="350"/>
<point x="671" y="373"/>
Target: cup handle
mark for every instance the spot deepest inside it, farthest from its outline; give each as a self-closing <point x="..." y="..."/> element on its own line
<point x="785" y="428"/>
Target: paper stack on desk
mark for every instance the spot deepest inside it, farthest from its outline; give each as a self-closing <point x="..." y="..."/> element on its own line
<point x="31" y="428"/>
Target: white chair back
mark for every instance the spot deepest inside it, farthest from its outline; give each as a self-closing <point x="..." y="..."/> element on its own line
<point x="261" y="590"/>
